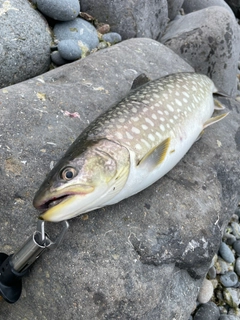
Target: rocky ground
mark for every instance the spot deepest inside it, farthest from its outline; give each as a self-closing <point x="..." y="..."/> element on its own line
<point x="156" y="255"/>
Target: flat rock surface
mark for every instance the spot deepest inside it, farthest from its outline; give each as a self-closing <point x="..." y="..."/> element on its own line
<point x="144" y="258"/>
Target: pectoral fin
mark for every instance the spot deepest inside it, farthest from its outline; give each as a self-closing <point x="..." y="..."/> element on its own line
<point x="155" y="156"/>
<point x="139" y="81"/>
<point x="218" y="105"/>
<point x="214" y="120"/>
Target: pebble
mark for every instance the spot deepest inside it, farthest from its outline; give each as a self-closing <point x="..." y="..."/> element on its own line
<point x="112" y="37"/>
<point x="69" y="49"/>
<point x="62" y="10"/>
<point x="226" y="253"/>
<point x="237" y="266"/>
<point x="212" y="273"/>
<point x="229" y="279"/>
<point x="207" y="311"/>
<point x="222" y="266"/>
<point x="236" y="229"/>
<point x="57" y="59"/>
<point x="77" y="29"/>
<point x="232" y="297"/>
<point x="206" y="291"/>
<point x="230" y="238"/>
<point x="236" y="246"/>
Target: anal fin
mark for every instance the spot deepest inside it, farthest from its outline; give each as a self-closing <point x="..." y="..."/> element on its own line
<point x="156" y="155"/>
<point x="218" y="105"/>
<point x="214" y="120"/>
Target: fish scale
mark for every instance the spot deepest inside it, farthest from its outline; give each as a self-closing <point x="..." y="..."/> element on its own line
<point x="130" y="146"/>
<point x="149" y="114"/>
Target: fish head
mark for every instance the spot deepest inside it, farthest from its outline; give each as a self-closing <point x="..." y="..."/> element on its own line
<point x="83" y="182"/>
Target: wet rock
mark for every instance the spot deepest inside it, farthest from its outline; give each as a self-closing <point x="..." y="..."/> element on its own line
<point x="232" y="297"/>
<point x="226" y="253"/>
<point x="24" y="42"/>
<point x="62" y="10"/>
<point x="208" y="40"/>
<point x="77" y="29"/>
<point x="137" y="259"/>
<point x="57" y="59"/>
<point x="229" y="279"/>
<point x="136" y="18"/>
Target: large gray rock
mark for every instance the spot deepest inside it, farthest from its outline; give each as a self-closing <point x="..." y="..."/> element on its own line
<point x="195" y="5"/>
<point x="144" y="258"/>
<point x="209" y="41"/>
<point x="136" y="18"/>
<point x="24" y="42"/>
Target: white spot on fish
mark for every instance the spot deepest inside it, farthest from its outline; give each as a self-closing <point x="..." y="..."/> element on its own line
<point x="162" y="127"/>
<point x="162" y="119"/>
<point x="155" y="95"/>
<point x="146" y="143"/>
<point x="145" y="101"/>
<point x="171" y="120"/>
<point x="121" y="120"/>
<point x="138" y="146"/>
<point x="170" y="108"/>
<point x="149" y="121"/>
<point x="160" y="112"/>
<point x="144" y="127"/>
<point x="145" y="109"/>
<point x="154" y="116"/>
<point x="129" y="136"/>
<point x="135" y="119"/>
<point x="178" y="102"/>
<point x="157" y="104"/>
<point x="185" y="94"/>
<point x="185" y="100"/>
<point x="166" y="112"/>
<point x="151" y="137"/>
<point x="134" y="110"/>
<point x="135" y="130"/>
<point x="118" y="135"/>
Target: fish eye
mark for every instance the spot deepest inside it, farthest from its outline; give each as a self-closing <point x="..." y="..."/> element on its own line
<point x="68" y="173"/>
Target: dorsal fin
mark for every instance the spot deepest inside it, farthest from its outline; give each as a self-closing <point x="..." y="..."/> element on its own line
<point x="139" y="81"/>
<point x="155" y="156"/>
<point x="214" y="120"/>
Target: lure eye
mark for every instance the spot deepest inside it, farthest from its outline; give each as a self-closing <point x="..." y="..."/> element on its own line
<point x="68" y="173"/>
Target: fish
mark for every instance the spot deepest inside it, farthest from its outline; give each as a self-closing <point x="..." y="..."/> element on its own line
<point x="130" y="146"/>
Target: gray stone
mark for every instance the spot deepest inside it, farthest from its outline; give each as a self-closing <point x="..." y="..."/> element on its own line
<point x="24" y="42"/>
<point x="230" y="238"/>
<point x="173" y="7"/>
<point x="229" y="279"/>
<point x="136" y="18"/>
<point x="235" y="5"/>
<point x="57" y="59"/>
<point x="112" y="37"/>
<point x="78" y="29"/>
<point x="190" y="6"/>
<point x="227" y="317"/>
<point x="208" y="40"/>
<point x="62" y="10"/>
<point x="236" y="229"/>
<point x="143" y="258"/>
<point x="206" y="291"/>
<point x="69" y="49"/>
<point x="237" y="266"/>
<point x="226" y="253"/>
<point x="208" y="311"/>
<point x="212" y="273"/>
<point x="236" y="246"/>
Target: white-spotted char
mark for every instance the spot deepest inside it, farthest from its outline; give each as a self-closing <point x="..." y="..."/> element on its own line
<point x="130" y="146"/>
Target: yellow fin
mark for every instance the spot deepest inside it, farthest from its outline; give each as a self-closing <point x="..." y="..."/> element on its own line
<point x="156" y="155"/>
<point x="218" y="105"/>
<point x="214" y="120"/>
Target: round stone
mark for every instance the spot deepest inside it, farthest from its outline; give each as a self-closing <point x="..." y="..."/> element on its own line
<point x="227" y="317"/>
<point x="62" y="10"/>
<point x="206" y="291"/>
<point x="229" y="279"/>
<point x="226" y="253"/>
<point x="230" y="238"/>
<point x="237" y="266"/>
<point x="236" y="229"/>
<point x="77" y="29"/>
<point x="69" y="49"/>
<point x="236" y="246"/>
<point x="212" y="273"/>
<point x="57" y="59"/>
<point x="207" y="311"/>
<point x="112" y="37"/>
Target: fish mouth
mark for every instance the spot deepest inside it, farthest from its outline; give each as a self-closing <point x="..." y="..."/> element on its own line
<point x="52" y="202"/>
